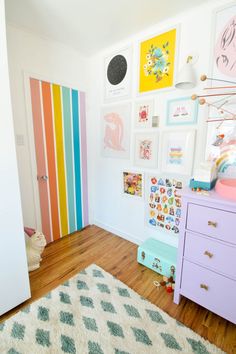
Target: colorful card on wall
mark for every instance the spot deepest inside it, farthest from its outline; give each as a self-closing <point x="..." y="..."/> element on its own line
<point x="146" y="150"/>
<point x="181" y="111"/>
<point x="177" y="151"/>
<point x="164" y="203"/>
<point x="224" y="44"/>
<point x="115" y="131"/>
<point x="143" y="115"/>
<point x="118" y="75"/>
<point x="157" y="61"/>
<point x="133" y="184"/>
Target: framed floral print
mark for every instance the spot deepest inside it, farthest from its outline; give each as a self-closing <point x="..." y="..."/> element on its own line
<point x="177" y="151"/>
<point x="158" y="61"/>
<point x="146" y="149"/>
<point x="133" y="184"/>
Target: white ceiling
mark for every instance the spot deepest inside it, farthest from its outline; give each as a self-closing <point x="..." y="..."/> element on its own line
<point x="91" y="25"/>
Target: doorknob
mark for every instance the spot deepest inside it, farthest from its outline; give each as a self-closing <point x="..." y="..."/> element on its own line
<point x="44" y="178"/>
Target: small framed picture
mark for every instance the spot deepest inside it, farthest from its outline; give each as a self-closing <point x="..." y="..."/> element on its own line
<point x="133" y="184"/>
<point x="177" y="151"/>
<point x="143" y="114"/>
<point x="146" y="149"/>
<point x="182" y="111"/>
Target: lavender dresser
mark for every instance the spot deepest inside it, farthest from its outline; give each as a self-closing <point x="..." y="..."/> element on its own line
<point x="206" y="265"/>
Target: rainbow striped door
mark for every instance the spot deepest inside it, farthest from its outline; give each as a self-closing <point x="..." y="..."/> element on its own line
<point x="59" y="124"/>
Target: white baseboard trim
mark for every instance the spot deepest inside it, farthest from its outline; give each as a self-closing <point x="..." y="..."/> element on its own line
<point x="118" y="232"/>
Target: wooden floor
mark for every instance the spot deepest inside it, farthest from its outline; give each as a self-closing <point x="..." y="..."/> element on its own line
<point x="64" y="258"/>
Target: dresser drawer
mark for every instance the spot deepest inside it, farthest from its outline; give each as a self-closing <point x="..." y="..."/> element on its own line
<point x="211" y="254"/>
<point x="209" y="289"/>
<point x="212" y="222"/>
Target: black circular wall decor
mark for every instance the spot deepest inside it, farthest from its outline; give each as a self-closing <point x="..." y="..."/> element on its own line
<point x="117" y="69"/>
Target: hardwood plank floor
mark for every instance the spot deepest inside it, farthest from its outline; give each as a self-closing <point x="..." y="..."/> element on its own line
<point x="66" y="257"/>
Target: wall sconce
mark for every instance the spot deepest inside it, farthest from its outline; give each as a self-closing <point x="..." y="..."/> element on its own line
<point x="186" y="77"/>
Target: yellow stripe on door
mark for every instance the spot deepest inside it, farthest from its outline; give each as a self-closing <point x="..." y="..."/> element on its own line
<point x="60" y="158"/>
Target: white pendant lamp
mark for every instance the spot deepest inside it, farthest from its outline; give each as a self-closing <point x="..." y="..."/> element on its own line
<point x="186" y="77"/>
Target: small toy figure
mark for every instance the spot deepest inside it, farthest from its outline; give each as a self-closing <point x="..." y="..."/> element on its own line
<point x="169" y="283"/>
<point x="143" y="255"/>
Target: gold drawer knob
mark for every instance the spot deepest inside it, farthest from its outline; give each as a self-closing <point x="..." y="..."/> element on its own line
<point x="209" y="254"/>
<point x="204" y="286"/>
<point x="212" y="223"/>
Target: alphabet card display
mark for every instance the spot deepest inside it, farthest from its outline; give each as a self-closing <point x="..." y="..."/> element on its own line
<point x="164" y="203"/>
<point x="115" y="129"/>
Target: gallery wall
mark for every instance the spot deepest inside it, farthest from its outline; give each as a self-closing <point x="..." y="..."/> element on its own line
<point x="48" y="60"/>
<point x="112" y="210"/>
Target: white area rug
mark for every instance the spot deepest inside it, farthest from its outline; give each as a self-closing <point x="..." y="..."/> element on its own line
<point x="95" y="313"/>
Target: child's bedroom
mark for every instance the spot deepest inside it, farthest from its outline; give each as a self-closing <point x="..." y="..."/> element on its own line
<point x="118" y="176"/>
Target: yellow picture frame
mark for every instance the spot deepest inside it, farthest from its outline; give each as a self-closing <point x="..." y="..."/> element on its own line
<point x="158" y="61"/>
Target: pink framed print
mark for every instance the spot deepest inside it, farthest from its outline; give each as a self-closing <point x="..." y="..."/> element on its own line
<point x="146" y="149"/>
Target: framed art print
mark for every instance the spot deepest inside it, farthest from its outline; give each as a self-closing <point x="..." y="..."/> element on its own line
<point x="146" y="149"/>
<point x="224" y="44"/>
<point x="182" y="111"/>
<point x="143" y="114"/>
<point x="157" y="63"/>
<point x="133" y="184"/>
<point x="177" y="151"/>
<point x="115" y="131"/>
<point x="118" y="75"/>
<point x="164" y="203"/>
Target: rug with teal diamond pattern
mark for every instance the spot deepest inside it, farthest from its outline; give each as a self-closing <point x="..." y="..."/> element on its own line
<point x="94" y="313"/>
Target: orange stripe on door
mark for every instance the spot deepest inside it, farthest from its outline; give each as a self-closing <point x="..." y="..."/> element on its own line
<point x="40" y="157"/>
<point x="49" y="135"/>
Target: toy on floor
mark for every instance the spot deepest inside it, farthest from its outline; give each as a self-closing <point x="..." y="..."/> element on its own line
<point x="35" y="244"/>
<point x="169" y="283"/>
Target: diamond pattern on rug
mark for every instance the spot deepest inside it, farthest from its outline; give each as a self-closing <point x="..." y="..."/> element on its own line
<point x="90" y="323"/>
<point x="82" y="285"/>
<point x="43" y="337"/>
<point x="141" y="336"/>
<point x="43" y="313"/>
<point x="155" y="316"/>
<point x="67" y="344"/>
<point x="108" y="307"/>
<point x="115" y="329"/>
<point x="67" y="318"/>
<point x="18" y="331"/>
<point x="103" y="288"/>
<point x="197" y="346"/>
<point x="132" y="311"/>
<point x="94" y="348"/>
<point x="170" y="341"/>
<point x="94" y="313"/>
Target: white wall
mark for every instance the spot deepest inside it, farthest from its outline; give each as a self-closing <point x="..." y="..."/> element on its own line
<point x="112" y="211"/>
<point x="14" y="272"/>
<point x="54" y="62"/>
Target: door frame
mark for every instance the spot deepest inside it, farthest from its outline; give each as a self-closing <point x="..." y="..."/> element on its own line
<point x="31" y="141"/>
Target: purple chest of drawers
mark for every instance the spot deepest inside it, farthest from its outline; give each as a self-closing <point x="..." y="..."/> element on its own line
<point x="206" y="266"/>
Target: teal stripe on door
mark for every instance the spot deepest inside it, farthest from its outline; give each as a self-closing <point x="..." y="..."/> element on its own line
<point x="77" y="162"/>
<point x="68" y="139"/>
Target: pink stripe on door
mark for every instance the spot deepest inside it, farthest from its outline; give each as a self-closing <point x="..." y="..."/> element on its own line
<point x="40" y="157"/>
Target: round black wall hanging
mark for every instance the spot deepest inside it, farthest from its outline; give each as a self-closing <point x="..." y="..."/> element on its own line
<point x="116" y="69"/>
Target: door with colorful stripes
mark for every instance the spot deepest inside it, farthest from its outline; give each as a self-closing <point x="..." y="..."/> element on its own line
<point x="59" y="125"/>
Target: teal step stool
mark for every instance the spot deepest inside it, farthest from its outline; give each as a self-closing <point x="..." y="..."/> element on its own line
<point x="158" y="256"/>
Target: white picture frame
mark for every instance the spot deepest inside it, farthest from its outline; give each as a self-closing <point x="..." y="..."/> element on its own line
<point x="115" y="131"/>
<point x="178" y="151"/>
<point x="117" y="75"/>
<point x="146" y="149"/>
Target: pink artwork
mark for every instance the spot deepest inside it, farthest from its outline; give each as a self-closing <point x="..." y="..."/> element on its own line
<point x="145" y="149"/>
<point x="225" y="48"/>
<point x="116" y="131"/>
<point x="143" y="113"/>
